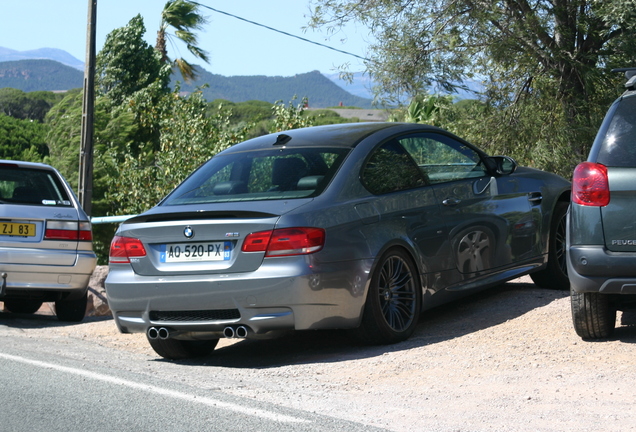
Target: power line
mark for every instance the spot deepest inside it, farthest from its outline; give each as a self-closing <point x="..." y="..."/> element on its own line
<point x="279" y="31"/>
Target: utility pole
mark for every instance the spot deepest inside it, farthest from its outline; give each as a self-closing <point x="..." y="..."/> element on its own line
<point x="88" y="107"/>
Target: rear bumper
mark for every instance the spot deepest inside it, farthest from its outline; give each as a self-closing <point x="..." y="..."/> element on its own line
<point x="24" y="278"/>
<point x="283" y="294"/>
<point x="595" y="269"/>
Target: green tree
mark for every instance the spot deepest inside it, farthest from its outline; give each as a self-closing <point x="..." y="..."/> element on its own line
<point x="138" y="182"/>
<point x="64" y="135"/>
<point x="526" y="53"/>
<point x="127" y="64"/>
<point x="21" y="105"/>
<point x="429" y="109"/>
<point x="183" y="16"/>
<point x="290" y="116"/>
<point x="22" y="139"/>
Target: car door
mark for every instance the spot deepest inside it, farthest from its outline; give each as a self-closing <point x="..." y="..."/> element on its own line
<point x="488" y="219"/>
<point x="406" y="206"/>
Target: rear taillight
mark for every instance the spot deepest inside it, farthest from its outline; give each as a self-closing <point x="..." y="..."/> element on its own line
<point x="65" y="230"/>
<point x="124" y="248"/>
<point x="285" y="241"/>
<point x="590" y="185"/>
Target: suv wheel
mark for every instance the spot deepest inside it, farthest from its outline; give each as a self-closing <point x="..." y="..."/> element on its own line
<point x="593" y="315"/>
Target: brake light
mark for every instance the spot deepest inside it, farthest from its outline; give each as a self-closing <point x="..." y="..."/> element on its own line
<point x="257" y="242"/>
<point x="285" y="241"/>
<point x="65" y="230"/>
<point x="590" y="185"/>
<point x="124" y="248"/>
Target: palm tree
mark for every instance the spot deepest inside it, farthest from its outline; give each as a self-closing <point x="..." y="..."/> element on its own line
<point x="184" y="17"/>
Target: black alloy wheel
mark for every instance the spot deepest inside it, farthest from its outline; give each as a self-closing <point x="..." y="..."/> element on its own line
<point x="394" y="300"/>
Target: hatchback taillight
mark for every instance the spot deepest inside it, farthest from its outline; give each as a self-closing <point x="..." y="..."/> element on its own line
<point x="590" y="185"/>
<point x="65" y="230"/>
<point x="285" y="241"/>
<point x="124" y="248"/>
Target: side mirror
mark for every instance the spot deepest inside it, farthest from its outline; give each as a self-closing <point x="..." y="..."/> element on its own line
<point x="502" y="165"/>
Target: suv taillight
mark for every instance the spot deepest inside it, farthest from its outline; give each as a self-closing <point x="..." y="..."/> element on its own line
<point x="123" y="248"/>
<point x="65" y="230"/>
<point x="285" y="241"/>
<point x="590" y="185"/>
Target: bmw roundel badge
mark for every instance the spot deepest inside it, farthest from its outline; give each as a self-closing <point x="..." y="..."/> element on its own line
<point x="188" y="232"/>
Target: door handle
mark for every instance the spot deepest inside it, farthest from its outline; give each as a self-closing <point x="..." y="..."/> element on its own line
<point x="451" y="201"/>
<point x="535" y="197"/>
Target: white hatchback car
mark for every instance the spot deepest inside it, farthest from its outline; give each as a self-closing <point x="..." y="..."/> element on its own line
<point x="46" y="247"/>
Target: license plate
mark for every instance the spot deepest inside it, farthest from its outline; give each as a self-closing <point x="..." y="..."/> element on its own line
<point x="17" y="229"/>
<point x="186" y="252"/>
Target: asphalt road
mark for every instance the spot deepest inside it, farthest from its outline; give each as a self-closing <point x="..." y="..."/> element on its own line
<point x="65" y="384"/>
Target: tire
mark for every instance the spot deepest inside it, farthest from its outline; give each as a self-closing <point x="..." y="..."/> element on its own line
<point x="393" y="303"/>
<point x="25" y="306"/>
<point x="176" y="349"/>
<point x="593" y="315"/>
<point x="555" y="274"/>
<point x="71" y="310"/>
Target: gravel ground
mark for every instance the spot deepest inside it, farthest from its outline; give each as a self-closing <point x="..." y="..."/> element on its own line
<point x="504" y="360"/>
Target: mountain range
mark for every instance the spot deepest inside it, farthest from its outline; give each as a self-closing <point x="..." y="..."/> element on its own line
<point x="60" y="56"/>
<point x="56" y="70"/>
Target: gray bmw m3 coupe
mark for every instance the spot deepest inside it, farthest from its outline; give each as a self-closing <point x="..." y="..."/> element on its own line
<point x="357" y="226"/>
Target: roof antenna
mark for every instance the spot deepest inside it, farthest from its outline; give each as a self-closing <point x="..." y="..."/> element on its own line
<point x="282" y="139"/>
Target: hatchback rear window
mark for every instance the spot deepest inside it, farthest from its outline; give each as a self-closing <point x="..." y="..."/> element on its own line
<point x="260" y="175"/>
<point x="32" y="187"/>
<point x="618" y="135"/>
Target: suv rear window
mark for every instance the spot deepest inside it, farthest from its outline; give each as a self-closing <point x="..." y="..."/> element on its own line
<point x="32" y="187"/>
<point x="260" y="175"/>
<point x="618" y="135"/>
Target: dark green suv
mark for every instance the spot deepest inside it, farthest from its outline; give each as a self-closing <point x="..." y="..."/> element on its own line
<point x="601" y="239"/>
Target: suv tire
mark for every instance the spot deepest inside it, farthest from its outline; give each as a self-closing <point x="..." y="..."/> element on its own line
<point x="593" y="315"/>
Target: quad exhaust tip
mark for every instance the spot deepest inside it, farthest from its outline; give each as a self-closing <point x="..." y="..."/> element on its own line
<point x="158" y="333"/>
<point x="239" y="332"/>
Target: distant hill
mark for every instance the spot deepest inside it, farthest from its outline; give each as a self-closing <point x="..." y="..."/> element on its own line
<point x="61" y="56"/>
<point x="360" y="86"/>
<point x="320" y="90"/>
<point x="34" y="75"/>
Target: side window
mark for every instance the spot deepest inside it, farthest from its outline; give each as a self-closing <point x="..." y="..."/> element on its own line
<point x="442" y="159"/>
<point x="391" y="169"/>
<point x="618" y="149"/>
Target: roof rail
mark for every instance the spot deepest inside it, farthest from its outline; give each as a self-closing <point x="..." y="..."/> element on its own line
<point x="630" y="75"/>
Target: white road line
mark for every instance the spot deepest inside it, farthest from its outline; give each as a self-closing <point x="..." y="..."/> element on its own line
<point x="160" y="391"/>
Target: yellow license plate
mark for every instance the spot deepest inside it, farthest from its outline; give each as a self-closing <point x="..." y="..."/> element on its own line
<point x="17" y="229"/>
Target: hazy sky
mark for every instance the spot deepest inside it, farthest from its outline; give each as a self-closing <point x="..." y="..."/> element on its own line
<point x="235" y="47"/>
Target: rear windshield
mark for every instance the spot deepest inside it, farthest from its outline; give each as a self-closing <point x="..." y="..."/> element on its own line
<point x="32" y="187"/>
<point x="618" y="135"/>
<point x="273" y="174"/>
